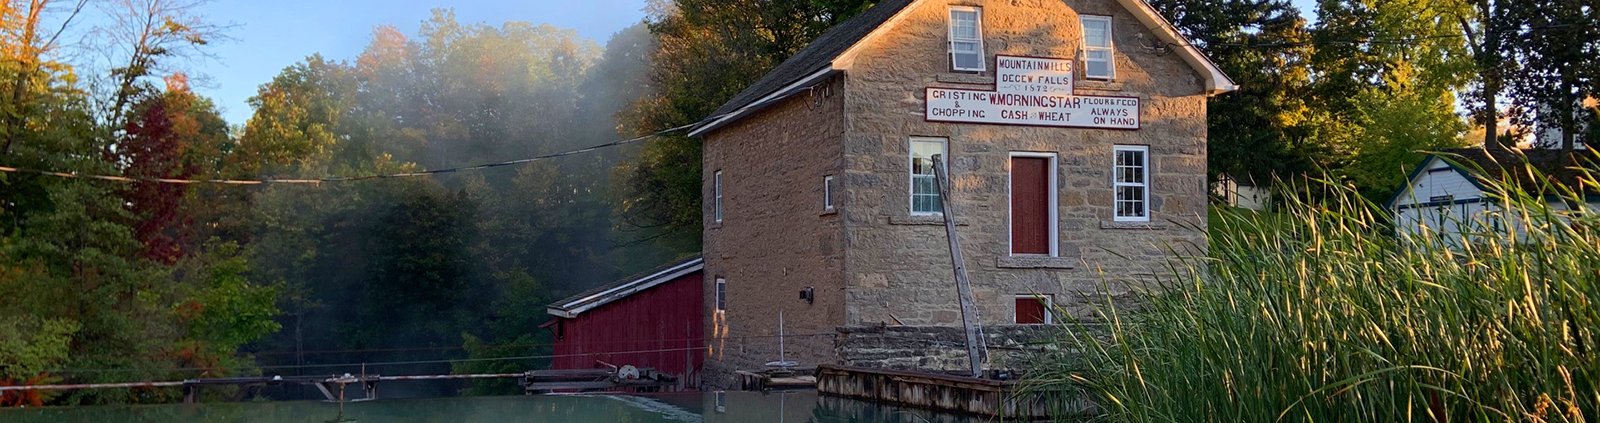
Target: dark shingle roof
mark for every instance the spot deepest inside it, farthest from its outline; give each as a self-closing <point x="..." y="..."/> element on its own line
<point x="819" y="54"/>
<point x="1496" y="160"/>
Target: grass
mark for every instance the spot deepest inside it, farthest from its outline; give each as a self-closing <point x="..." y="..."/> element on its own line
<point x="1319" y="312"/>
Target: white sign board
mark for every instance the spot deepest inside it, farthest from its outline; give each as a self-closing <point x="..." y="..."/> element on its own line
<point x="1032" y="75"/>
<point x="1032" y="91"/>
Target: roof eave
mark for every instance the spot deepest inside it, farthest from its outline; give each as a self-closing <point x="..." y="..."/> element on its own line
<point x="572" y="307"/>
<point x="1217" y="82"/>
<point x="717" y="122"/>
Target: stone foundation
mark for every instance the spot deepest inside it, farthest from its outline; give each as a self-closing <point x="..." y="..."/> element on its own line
<point x="1012" y="348"/>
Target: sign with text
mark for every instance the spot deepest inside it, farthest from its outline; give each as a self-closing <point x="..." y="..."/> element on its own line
<point x="1032" y="75"/>
<point x="1032" y="91"/>
<point x="956" y="105"/>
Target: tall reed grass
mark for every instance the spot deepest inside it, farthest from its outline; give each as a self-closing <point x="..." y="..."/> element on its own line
<point x="1321" y="312"/>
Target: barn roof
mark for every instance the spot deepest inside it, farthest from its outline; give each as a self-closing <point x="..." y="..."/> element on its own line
<point x="1482" y="163"/>
<point x="823" y="57"/>
<point x="575" y="305"/>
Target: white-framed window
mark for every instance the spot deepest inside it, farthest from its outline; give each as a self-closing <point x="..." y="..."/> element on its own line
<point x="924" y="186"/>
<point x="716" y="196"/>
<point x="1098" y="52"/>
<point x="966" y="38"/>
<point x="1130" y="180"/>
<point x="827" y="193"/>
<point x="1034" y="310"/>
<point x="722" y="294"/>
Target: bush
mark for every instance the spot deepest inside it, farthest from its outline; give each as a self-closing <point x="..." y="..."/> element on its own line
<point x="1322" y="313"/>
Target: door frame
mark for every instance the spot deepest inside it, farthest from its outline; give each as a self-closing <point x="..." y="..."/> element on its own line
<point x="1052" y="196"/>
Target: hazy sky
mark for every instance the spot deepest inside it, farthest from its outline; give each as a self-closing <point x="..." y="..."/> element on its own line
<point x="271" y="35"/>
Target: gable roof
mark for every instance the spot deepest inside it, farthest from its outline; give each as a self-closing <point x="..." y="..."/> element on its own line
<point x="1494" y="161"/>
<point x="832" y="52"/>
<point x="575" y="305"/>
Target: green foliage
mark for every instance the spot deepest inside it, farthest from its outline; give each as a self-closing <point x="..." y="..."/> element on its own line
<point x="30" y="346"/>
<point x="1265" y="129"/>
<point x="1322" y="314"/>
<point x="707" y="51"/>
<point x="225" y="309"/>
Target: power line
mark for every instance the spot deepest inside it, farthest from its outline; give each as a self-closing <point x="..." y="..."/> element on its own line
<point x="318" y="181"/>
<point x="1315" y="42"/>
<point x="435" y="361"/>
<point x="508" y="346"/>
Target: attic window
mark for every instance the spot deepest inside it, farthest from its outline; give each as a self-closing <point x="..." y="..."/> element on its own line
<point x="1098" y="50"/>
<point x="966" y="38"/>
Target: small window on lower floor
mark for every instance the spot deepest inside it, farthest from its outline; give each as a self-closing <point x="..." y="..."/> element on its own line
<point x="722" y="294"/>
<point x="1033" y="310"/>
<point x="827" y="193"/>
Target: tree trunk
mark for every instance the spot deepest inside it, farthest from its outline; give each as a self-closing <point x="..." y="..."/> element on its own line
<point x="1569" y="130"/>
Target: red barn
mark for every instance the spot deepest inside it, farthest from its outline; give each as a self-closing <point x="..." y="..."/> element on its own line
<point x="649" y="322"/>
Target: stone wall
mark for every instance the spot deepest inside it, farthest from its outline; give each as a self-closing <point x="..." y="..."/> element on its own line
<point x="873" y="264"/>
<point x="1012" y="348"/>
<point x="775" y="238"/>
<point x="897" y="267"/>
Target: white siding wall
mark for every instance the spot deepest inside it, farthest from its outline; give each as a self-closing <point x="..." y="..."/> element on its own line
<point x="1448" y="219"/>
<point x="1254" y="198"/>
<point x="1439" y="180"/>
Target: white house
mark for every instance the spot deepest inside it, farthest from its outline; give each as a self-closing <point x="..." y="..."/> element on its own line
<point x="1448" y="199"/>
<point x="1242" y="193"/>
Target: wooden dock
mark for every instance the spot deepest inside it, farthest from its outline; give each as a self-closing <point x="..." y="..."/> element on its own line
<point x="951" y="393"/>
<point x="334" y="387"/>
<point x="789" y="381"/>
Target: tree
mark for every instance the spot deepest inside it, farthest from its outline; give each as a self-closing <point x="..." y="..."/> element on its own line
<point x="1385" y="76"/>
<point x="24" y="43"/>
<point x="1557" y="44"/>
<point x="1266" y="129"/>
<point x="172" y="135"/>
<point x="147" y="38"/>
<point x="1486" y="33"/>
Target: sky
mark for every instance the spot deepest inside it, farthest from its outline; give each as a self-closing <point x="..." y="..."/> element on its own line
<point x="271" y="35"/>
<point x="268" y="36"/>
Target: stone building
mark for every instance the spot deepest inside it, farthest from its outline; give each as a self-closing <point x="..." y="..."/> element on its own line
<point x="1074" y="133"/>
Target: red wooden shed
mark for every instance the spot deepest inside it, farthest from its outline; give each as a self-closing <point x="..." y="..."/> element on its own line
<point x="652" y="321"/>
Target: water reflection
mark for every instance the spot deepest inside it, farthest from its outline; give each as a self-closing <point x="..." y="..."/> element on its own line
<point x="709" y="407"/>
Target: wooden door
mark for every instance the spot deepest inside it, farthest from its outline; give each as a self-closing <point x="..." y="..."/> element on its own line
<point x="1030" y="205"/>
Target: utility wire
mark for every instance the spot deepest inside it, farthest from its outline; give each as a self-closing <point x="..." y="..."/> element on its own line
<point x="768" y="338"/>
<point x="318" y="181"/>
<point x="507" y="346"/>
<point x="1314" y="42"/>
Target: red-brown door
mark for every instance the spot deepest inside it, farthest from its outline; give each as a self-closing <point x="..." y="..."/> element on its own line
<point x="1030" y="205"/>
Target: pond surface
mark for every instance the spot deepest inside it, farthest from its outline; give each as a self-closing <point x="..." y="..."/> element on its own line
<point x="795" y="407"/>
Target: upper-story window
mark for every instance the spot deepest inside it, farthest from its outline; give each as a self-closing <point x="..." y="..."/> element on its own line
<point x="1098" y="50"/>
<point x="924" y="188"/>
<point x="716" y="197"/>
<point x="966" y="38"/>
<point x="1130" y="178"/>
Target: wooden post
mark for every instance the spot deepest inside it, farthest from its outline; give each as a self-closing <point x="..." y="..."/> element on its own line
<point x="976" y="350"/>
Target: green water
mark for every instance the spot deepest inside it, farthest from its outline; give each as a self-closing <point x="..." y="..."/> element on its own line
<point x="796" y="407"/>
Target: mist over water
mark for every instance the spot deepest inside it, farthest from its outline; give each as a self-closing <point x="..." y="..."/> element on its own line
<point x="461" y="264"/>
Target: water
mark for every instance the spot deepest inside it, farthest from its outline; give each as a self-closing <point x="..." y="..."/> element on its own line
<point x="790" y="407"/>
